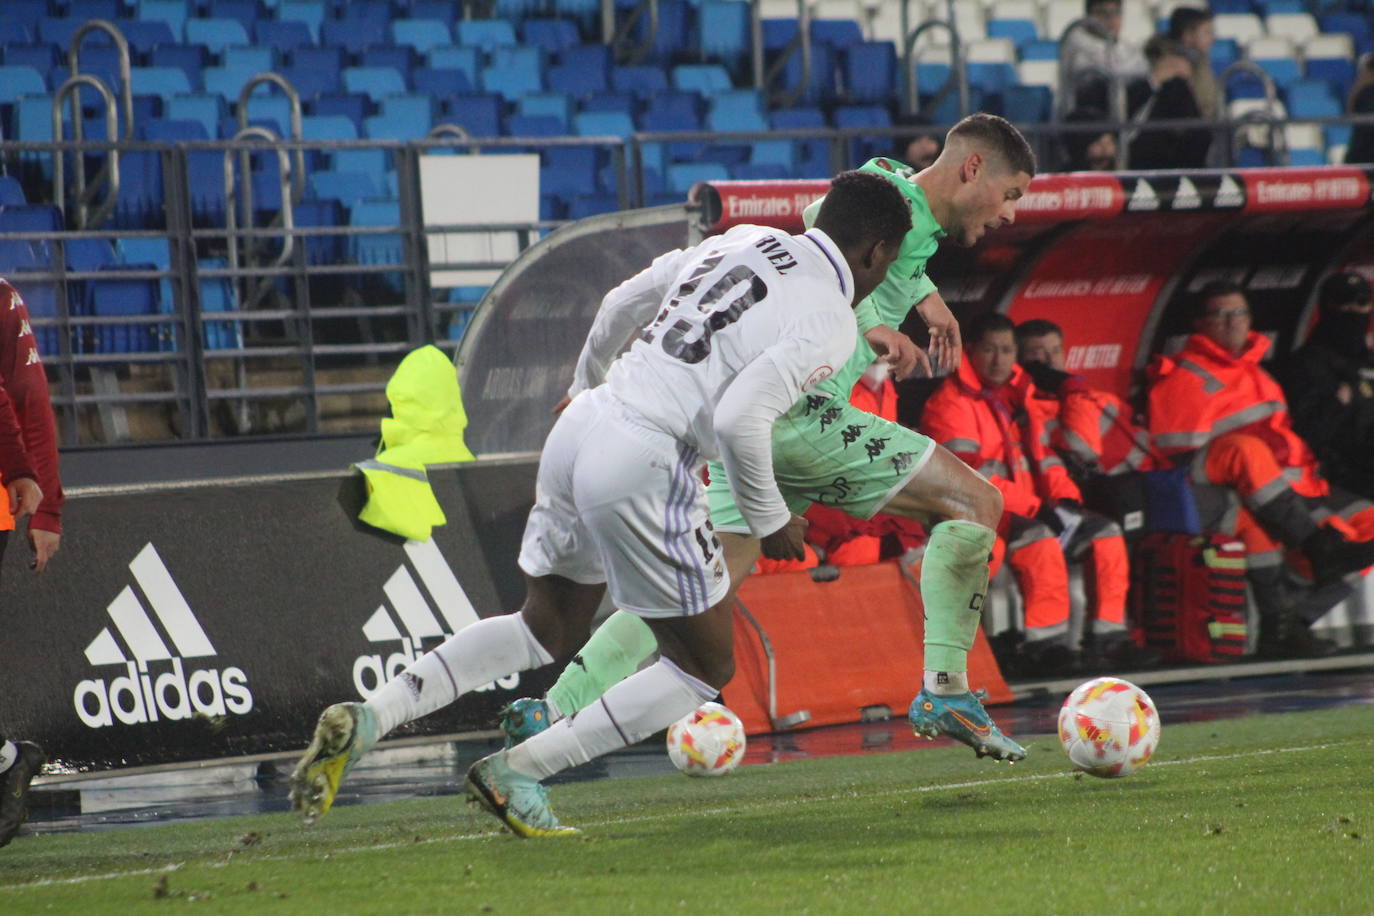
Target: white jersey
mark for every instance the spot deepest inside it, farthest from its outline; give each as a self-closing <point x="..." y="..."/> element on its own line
<point x="731" y="334"/>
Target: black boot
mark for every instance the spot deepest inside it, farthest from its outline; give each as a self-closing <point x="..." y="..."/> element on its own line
<point x="1333" y="557"/>
<point x="1288" y="636"/>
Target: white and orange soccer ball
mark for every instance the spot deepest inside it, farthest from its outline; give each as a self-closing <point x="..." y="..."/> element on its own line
<point x="709" y="741"/>
<point x="1109" y="727"/>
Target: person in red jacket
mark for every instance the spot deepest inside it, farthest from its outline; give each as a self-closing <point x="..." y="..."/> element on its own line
<point x="1215" y="409"/>
<point x="991" y="415"/>
<point x="28" y="469"/>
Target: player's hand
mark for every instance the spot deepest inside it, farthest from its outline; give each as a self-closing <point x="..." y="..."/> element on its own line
<point x="25" y="495"/>
<point x="561" y="405"/>
<point x="898" y="351"/>
<point x="788" y="542"/>
<point x="946" y="344"/>
<point x="43" y="544"/>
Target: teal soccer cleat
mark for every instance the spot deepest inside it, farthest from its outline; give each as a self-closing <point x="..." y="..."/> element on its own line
<point x="520" y="802"/>
<point x="344" y="733"/>
<point x="962" y="718"/>
<point x="524" y="718"/>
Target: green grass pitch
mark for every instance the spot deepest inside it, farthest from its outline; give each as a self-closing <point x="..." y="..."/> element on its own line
<point x="1269" y="814"/>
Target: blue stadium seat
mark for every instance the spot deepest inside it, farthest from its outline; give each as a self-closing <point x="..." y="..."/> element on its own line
<point x="328" y="127"/>
<point x="58" y="30"/>
<point x="369" y="14"/>
<point x="11" y="191"/>
<point x="1305" y="156"/>
<point x="402" y="58"/>
<point x="40" y="57"/>
<point x="519" y="125"/>
<point x="190" y="59"/>
<point x="546" y="104"/>
<point x="575" y="81"/>
<point x="1028" y="104"/>
<point x="421" y="34"/>
<point x="644" y="81"/>
<point x="478" y="114"/>
<point x="352" y="35"/>
<point x="1337" y="72"/>
<point x="226" y="82"/>
<point x="170" y="130"/>
<point x="1225" y="52"/>
<point x="609" y="101"/>
<point x="309" y="82"/>
<point x="837" y="34"/>
<point x="870" y="71"/>
<point x="172" y="12"/>
<point x="207" y="109"/>
<point x="553" y="35"/>
<point x="154" y="253"/>
<point x="283" y="37"/>
<point x="468" y="60"/>
<point x="346" y="187"/>
<point x="1021" y="31"/>
<point x="400" y="125"/>
<point x="682" y="176"/>
<point x="676" y="101"/>
<point x="13" y="32"/>
<point x="145" y="37"/>
<point x="1312" y="99"/>
<point x="310" y="12"/>
<point x="485" y="34"/>
<point x="116" y="296"/>
<point x="991" y="78"/>
<point x="16" y="81"/>
<point x="217" y="295"/>
<point x="244" y="12"/>
<point x="380" y="248"/>
<point x="33" y="218"/>
<point x="1040" y="49"/>
<point x="254" y="59"/>
<point x="330" y="59"/>
<point x="723" y="31"/>
<point x="1283" y="70"/>
<point x="368" y="161"/>
<point x="1357" y="25"/>
<point x="84" y="255"/>
<point x="737" y="110"/>
<point x="374" y="82"/>
<point x="216" y="34"/>
<point x="163" y="82"/>
<point x="275" y="109"/>
<point x="708" y="79"/>
<point x="352" y="105"/>
<point x="443" y="10"/>
<point x="320" y="249"/>
<point x="780" y="154"/>
<point x="603" y="124"/>
<point x="511" y="82"/>
<point x="441" y="82"/>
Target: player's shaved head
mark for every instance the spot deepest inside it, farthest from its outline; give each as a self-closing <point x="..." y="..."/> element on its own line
<point x="862" y="208"/>
<point x="995" y="138"/>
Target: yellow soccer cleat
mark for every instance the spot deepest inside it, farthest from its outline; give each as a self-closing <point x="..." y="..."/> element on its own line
<point x="344" y="733"/>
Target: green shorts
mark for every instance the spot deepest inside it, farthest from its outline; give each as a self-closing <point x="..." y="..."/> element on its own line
<point x="828" y="451"/>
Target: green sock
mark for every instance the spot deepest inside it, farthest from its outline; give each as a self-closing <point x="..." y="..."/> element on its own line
<point x="954" y="585"/>
<point x="611" y="655"/>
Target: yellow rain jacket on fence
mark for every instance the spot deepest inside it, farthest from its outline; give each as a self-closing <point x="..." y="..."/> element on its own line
<point x="425" y="427"/>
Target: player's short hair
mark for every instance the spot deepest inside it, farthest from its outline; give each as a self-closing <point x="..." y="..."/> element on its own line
<point x="1089" y="6"/>
<point x="988" y="322"/>
<point x="862" y="208"/>
<point x="997" y="136"/>
<point x="1036" y="327"/>
<point x="1214" y="289"/>
<point x="1186" y="18"/>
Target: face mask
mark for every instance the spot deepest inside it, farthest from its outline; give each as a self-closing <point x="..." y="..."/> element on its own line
<point x="1345" y="333"/>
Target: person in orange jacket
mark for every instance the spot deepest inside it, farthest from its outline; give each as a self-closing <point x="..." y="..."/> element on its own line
<point x="991" y="415"/>
<point x="1213" y="408"/>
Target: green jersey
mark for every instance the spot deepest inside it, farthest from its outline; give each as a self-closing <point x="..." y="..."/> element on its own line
<point x="906" y="283"/>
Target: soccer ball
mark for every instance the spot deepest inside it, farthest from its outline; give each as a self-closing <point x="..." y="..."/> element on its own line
<point x="1109" y="727"/>
<point x="709" y="741"/>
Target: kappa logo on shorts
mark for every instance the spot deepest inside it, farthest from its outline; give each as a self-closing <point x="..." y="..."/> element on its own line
<point x="814" y="402"/>
<point x="820" y="374"/>
<point x="417" y="617"/>
<point x="835" y="492"/>
<point x="875" y="447"/>
<point x="976" y="602"/>
<point x="850" y="434"/>
<point x="830" y="416"/>
<point x="902" y="461"/>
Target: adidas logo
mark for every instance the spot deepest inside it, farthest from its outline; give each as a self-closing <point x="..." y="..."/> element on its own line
<point x="406" y="617"/>
<point x="155" y="685"/>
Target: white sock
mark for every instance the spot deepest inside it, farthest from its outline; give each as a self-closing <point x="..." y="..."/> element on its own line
<point x="9" y="753"/>
<point x="555" y="714"/>
<point x="945" y="683"/>
<point x="475" y="655"/>
<point x="629" y="712"/>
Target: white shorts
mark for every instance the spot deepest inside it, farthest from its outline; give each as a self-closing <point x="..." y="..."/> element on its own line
<point x="622" y="503"/>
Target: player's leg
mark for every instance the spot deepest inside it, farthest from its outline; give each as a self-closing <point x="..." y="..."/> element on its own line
<point x="564" y="586"/>
<point x="20" y="761"/>
<point x="647" y="517"/>
<point x="954" y="584"/>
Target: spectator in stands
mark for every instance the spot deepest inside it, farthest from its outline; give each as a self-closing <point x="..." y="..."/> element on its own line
<point x="1330" y="385"/>
<point x="991" y="416"/>
<point x="1215" y="409"/>
<point x="28" y="470"/>
<point x="1094" y="56"/>
<point x="1361" y="102"/>
<point x="1086" y="151"/>
<point x="920" y="150"/>
<point x="1166" y="96"/>
<point x="1192" y="28"/>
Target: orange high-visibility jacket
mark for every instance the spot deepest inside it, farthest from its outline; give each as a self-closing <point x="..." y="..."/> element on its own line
<point x="1203" y="392"/>
<point x="1096" y="427"/>
<point x="1004" y="435"/>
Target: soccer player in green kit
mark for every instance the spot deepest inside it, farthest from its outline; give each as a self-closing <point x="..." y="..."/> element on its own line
<point x="827" y="451"/>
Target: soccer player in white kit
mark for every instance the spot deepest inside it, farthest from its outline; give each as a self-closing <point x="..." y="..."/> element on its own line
<point x="752" y="320"/>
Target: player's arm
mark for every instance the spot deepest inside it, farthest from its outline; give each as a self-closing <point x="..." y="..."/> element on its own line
<point x="16" y="475"/>
<point x="747" y="409"/>
<point x="624" y="310"/>
<point x="24" y="378"/>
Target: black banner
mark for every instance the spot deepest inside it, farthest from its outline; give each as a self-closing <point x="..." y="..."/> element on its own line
<point x="212" y="620"/>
